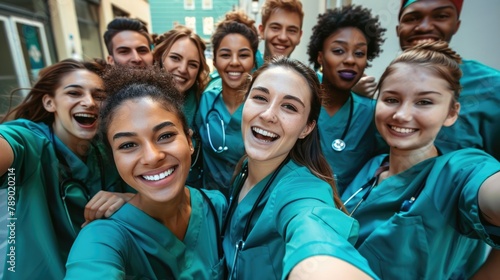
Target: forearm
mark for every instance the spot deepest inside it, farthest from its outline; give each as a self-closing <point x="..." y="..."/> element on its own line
<point x="489" y="199"/>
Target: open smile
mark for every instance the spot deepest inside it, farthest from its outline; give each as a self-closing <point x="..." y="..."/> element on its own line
<point x="159" y="176"/>
<point x="264" y="135"/>
<point x="85" y="119"/>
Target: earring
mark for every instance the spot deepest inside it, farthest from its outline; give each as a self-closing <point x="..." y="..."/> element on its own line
<point x="321" y="68"/>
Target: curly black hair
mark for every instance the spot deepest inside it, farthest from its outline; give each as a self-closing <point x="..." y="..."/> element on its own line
<point x="347" y="16"/>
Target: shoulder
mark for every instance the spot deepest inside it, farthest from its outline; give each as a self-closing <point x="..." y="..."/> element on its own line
<point x="474" y="71"/>
<point x="362" y="101"/>
<point x="217" y="198"/>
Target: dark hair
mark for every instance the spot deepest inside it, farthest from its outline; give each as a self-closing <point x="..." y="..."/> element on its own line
<point x="236" y="22"/>
<point x="125" y="83"/>
<point x="292" y="6"/>
<point x="163" y="44"/>
<point x="437" y="57"/>
<point x="120" y="24"/>
<point x="49" y="79"/>
<point x="348" y="16"/>
<point x="306" y="151"/>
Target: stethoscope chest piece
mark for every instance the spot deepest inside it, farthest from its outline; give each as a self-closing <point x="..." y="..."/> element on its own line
<point x="338" y="145"/>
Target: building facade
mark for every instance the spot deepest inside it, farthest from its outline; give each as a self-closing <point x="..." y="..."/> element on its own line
<point x="38" y="33"/>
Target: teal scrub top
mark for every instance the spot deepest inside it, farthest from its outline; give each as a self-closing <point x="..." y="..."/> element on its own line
<point x="43" y="231"/>
<point x="215" y="80"/>
<point x="190" y="110"/>
<point x="133" y="245"/>
<point x="437" y="236"/>
<point x="362" y="140"/>
<point x="296" y="219"/>
<point x="478" y="124"/>
<point x="218" y="168"/>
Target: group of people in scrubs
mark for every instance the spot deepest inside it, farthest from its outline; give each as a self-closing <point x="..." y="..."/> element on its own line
<point x="269" y="173"/>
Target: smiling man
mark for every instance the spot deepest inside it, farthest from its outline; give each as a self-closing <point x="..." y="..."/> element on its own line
<point x="128" y="43"/>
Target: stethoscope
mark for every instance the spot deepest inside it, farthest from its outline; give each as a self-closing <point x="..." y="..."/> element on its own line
<point x="405" y="206"/>
<point x="223" y="147"/>
<point x="232" y="207"/>
<point x="339" y="143"/>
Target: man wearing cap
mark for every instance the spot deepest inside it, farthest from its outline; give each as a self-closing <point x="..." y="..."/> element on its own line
<point x="478" y="126"/>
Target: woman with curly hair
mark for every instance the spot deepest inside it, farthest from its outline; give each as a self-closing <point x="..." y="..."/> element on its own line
<point x="181" y="52"/>
<point x="235" y="42"/>
<point x="342" y="43"/>
<point x="421" y="212"/>
<point x="168" y="230"/>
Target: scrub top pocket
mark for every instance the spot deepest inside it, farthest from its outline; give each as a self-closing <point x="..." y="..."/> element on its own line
<point x="398" y="249"/>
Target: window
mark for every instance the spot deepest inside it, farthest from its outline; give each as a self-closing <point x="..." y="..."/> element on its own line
<point x="191" y="23"/>
<point x="88" y="25"/>
<point x="208" y="25"/>
<point x="189" y="5"/>
<point x="206" y="4"/>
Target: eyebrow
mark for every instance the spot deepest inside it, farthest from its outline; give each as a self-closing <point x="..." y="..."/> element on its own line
<point x="287" y="96"/>
<point x="156" y="128"/>
<point x="345" y="43"/>
<point x="445" y="7"/>
<point x="418" y="93"/>
<point x="73" y="86"/>
<point x="240" y="50"/>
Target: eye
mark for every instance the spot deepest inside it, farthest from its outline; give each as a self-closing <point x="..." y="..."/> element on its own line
<point x="126" y="146"/>
<point x="293" y="31"/>
<point x="99" y="96"/>
<point x="359" y="54"/>
<point x="338" y="51"/>
<point x="424" y="102"/>
<point x="74" y="93"/>
<point x="143" y="50"/>
<point x="275" y="28"/>
<point x="224" y="55"/>
<point x="175" y="58"/>
<point x="194" y="65"/>
<point x="391" y="100"/>
<point x="166" y="136"/>
<point x="442" y="16"/>
<point x="409" y="18"/>
<point x="259" y="97"/>
<point x="244" y="55"/>
<point x="290" y="107"/>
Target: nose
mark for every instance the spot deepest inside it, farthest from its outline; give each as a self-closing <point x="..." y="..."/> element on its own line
<point x="136" y="58"/>
<point x="425" y="25"/>
<point x="151" y="155"/>
<point x="182" y="67"/>
<point x="282" y="35"/>
<point x="349" y="58"/>
<point x="88" y="100"/>
<point x="269" y="115"/>
<point x="235" y="60"/>
<point x="403" y="113"/>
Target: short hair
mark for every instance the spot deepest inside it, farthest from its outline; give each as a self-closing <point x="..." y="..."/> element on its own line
<point x="292" y="6"/>
<point x="437" y="57"/>
<point x="236" y="22"/>
<point x="126" y="83"/>
<point x="348" y="16"/>
<point x="163" y="43"/>
<point x="49" y="79"/>
<point x="120" y="24"/>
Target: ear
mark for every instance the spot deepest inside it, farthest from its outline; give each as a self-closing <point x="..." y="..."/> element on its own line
<point x="261" y="31"/>
<point x="397" y="30"/>
<point x="309" y="127"/>
<point x="190" y="141"/>
<point x="319" y="59"/>
<point x="110" y="60"/>
<point x="452" y="115"/>
<point x="300" y="37"/>
<point x="457" y="26"/>
<point x="48" y="103"/>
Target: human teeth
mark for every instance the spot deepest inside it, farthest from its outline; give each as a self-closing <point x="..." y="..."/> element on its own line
<point x="402" y="130"/>
<point x="264" y="132"/>
<point x="180" y="79"/>
<point x="280" y="47"/>
<point x="234" y="73"/>
<point x="158" y="176"/>
<point x="85" y="115"/>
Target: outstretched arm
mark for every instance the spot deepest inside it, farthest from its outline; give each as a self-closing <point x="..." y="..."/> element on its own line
<point x="365" y="86"/>
<point x="7" y="157"/>
<point x="326" y="267"/>
<point x="489" y="198"/>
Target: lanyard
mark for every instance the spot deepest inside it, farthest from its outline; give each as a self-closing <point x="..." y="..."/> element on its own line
<point x="232" y="207"/>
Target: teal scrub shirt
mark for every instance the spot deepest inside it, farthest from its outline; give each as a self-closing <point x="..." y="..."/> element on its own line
<point x="190" y="109"/>
<point x="478" y="124"/>
<point x="362" y="140"/>
<point x="436" y="237"/>
<point x="296" y="219"/>
<point x="132" y="245"/>
<point x="218" y="168"/>
<point x="43" y="231"/>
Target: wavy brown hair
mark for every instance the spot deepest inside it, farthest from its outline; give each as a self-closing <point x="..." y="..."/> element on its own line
<point x="48" y="81"/>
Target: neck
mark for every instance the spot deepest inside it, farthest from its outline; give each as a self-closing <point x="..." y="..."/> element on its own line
<point x="334" y="99"/>
<point x="401" y="160"/>
<point x="257" y="171"/>
<point x="77" y="145"/>
<point x="173" y="214"/>
<point x="232" y="98"/>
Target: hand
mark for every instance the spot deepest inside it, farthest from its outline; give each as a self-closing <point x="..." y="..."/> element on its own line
<point x="365" y="86"/>
<point x="104" y="204"/>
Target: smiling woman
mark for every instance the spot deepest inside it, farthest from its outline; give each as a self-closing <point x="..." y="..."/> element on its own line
<point x="59" y="166"/>
<point x="158" y="234"/>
